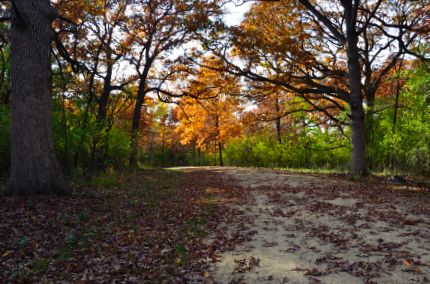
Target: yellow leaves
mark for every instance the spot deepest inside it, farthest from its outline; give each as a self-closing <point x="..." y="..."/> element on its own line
<point x="208" y="121"/>
<point x="274" y="30"/>
<point x="211" y="115"/>
<point x="7" y="253"/>
<point x="76" y="10"/>
<point x="206" y="274"/>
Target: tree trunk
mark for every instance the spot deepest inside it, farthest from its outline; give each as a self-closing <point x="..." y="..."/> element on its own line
<point x="34" y="166"/>
<point x="218" y="136"/>
<point x="396" y="108"/>
<point x="358" y="139"/>
<point x="137" y="115"/>
<point x="107" y="88"/>
<point x="278" y="120"/>
<point x="221" y="161"/>
<point x="163" y="152"/>
<point x="358" y="154"/>
<point x="97" y="160"/>
<point x="199" y="156"/>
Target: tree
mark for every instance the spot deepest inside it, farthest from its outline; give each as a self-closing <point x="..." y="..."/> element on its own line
<point x="326" y="50"/>
<point x="275" y="104"/>
<point x="157" y="28"/>
<point x="208" y="116"/>
<point x="95" y="52"/>
<point x="34" y="166"/>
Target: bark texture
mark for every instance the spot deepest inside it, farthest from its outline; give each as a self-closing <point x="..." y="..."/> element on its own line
<point x="34" y="166"/>
<point x="358" y="130"/>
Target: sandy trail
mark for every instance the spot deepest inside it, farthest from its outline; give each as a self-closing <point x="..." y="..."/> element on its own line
<point x="311" y="229"/>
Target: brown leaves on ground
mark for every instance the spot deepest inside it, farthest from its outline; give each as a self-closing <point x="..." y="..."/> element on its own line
<point x="172" y="227"/>
<point x="147" y="227"/>
<point x="246" y="264"/>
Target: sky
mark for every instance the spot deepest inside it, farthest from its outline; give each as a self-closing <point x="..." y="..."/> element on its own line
<point x="234" y="14"/>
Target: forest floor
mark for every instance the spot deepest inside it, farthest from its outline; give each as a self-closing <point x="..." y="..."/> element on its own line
<point x="224" y="225"/>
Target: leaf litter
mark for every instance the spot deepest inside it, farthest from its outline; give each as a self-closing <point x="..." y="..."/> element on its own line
<point x="326" y="229"/>
<point x="219" y="225"/>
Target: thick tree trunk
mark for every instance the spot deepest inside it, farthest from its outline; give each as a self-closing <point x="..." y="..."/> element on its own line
<point x="34" y="166"/>
<point x="358" y="154"/>
<point x="358" y="139"/>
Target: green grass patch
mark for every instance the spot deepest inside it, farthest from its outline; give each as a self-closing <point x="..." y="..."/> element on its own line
<point x="182" y="254"/>
<point x="313" y="171"/>
<point x="64" y="252"/>
<point x="102" y="181"/>
<point x="197" y="224"/>
<point x="39" y="264"/>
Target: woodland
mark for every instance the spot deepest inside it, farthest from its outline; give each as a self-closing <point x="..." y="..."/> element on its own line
<point x="153" y="141"/>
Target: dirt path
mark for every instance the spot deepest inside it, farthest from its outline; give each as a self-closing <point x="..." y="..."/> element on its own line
<point x="314" y="229"/>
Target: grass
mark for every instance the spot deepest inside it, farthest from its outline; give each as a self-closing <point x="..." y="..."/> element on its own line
<point x="64" y="252"/>
<point x="313" y="171"/>
<point x="182" y="253"/>
<point x="104" y="180"/>
<point x="39" y="264"/>
<point x="293" y="170"/>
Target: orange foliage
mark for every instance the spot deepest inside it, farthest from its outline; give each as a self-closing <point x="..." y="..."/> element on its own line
<point x="210" y="116"/>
